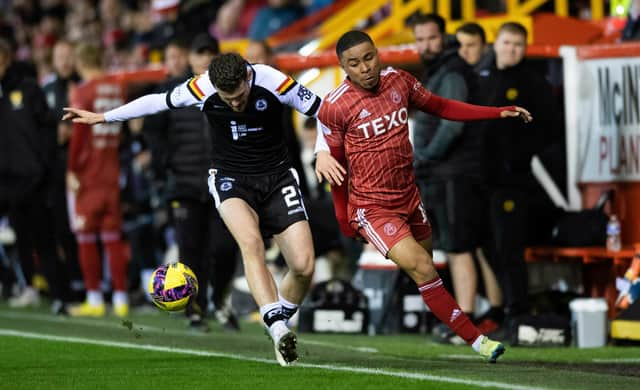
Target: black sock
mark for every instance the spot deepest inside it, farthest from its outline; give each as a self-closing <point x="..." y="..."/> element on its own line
<point x="272" y="316"/>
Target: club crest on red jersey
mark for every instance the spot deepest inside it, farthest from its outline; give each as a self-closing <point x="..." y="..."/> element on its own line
<point x="395" y="97"/>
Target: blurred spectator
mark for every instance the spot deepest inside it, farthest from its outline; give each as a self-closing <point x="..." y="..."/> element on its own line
<point x="514" y="195"/>
<point x="472" y="42"/>
<point x="56" y="93"/>
<point x="472" y="48"/>
<point x="181" y="147"/>
<point x="448" y="160"/>
<point x="137" y="200"/>
<point x="93" y="178"/>
<point x="27" y="153"/>
<point x="631" y="29"/>
<point x="311" y="6"/>
<point x="259" y="52"/>
<point x="234" y="18"/>
<point x="276" y="15"/>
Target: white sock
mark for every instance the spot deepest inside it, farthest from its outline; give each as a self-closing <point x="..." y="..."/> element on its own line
<point x="94" y="297"/>
<point x="476" y="344"/>
<point x="120" y="298"/>
<point x="289" y="306"/>
<point x="264" y="309"/>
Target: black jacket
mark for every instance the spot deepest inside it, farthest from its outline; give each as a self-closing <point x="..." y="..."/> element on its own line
<point x="27" y="136"/>
<point x="181" y="148"/>
<point x="445" y="148"/>
<point x="510" y="143"/>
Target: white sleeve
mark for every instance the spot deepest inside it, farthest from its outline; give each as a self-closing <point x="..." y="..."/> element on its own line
<point x="287" y="90"/>
<point x="145" y="105"/>
<point x="192" y="92"/>
<point x="321" y="143"/>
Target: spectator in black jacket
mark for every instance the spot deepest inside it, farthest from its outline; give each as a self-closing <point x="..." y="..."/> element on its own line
<point x="57" y="94"/>
<point x="181" y="147"/>
<point x="27" y="152"/>
<point x="515" y="196"/>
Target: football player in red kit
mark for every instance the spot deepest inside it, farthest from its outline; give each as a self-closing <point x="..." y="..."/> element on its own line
<point x="93" y="171"/>
<point x="365" y="123"/>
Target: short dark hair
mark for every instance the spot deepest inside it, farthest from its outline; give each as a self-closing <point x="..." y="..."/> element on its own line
<point x="514" y="28"/>
<point x="421" y="18"/>
<point x="472" y="28"/>
<point x="351" y="39"/>
<point x="204" y="42"/>
<point x="227" y="71"/>
<point x="179" y="43"/>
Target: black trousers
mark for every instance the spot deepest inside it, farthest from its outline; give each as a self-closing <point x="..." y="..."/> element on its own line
<point x="508" y="216"/>
<point x="206" y="246"/>
<point x="32" y="219"/>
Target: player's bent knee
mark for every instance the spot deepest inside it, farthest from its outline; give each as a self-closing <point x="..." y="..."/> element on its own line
<point x="420" y="268"/>
<point x="304" y="266"/>
<point x="251" y="246"/>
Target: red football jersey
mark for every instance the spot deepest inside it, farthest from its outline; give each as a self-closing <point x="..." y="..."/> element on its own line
<point x="93" y="150"/>
<point x="372" y="126"/>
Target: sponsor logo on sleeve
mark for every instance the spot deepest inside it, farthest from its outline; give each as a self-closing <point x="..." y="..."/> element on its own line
<point x="304" y="93"/>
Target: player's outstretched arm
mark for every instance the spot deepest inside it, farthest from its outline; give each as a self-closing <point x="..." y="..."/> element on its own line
<point x="142" y="106"/>
<point x="517" y="112"/>
<point x="77" y="115"/>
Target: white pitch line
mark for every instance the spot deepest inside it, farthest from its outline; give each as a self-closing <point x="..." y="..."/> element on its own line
<point x="155" y="329"/>
<point x="329" y="367"/>
<point x="619" y="360"/>
<point x="99" y="323"/>
<point x="339" y="346"/>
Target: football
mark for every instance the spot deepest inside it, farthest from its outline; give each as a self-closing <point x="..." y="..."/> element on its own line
<point x="171" y="286"/>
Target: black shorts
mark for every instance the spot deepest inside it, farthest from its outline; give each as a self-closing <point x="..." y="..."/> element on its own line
<point x="275" y="198"/>
<point x="456" y="207"/>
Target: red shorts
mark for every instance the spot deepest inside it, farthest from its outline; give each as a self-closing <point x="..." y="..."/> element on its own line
<point x="96" y="210"/>
<point x="383" y="227"/>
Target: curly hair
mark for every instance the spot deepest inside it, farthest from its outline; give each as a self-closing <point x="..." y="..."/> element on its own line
<point x="227" y="71"/>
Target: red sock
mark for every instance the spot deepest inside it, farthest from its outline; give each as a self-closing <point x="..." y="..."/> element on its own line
<point x="117" y="264"/>
<point x="89" y="264"/>
<point x="447" y="310"/>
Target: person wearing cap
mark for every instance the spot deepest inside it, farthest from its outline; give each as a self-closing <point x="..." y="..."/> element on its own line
<point x="181" y="152"/>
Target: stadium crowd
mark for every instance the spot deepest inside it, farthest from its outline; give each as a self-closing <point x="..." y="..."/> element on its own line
<point x="473" y="177"/>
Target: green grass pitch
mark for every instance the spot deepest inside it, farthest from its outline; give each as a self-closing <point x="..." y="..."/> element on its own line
<point x="155" y="350"/>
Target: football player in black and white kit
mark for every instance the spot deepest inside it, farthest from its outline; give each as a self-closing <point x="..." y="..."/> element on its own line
<point x="251" y="179"/>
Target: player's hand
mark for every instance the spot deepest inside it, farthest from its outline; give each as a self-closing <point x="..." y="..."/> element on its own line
<point x="82" y="116"/>
<point x="329" y="168"/>
<point x="73" y="184"/>
<point x="518" y="113"/>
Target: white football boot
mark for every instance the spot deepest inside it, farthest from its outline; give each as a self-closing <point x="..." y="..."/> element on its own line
<point x="284" y="342"/>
